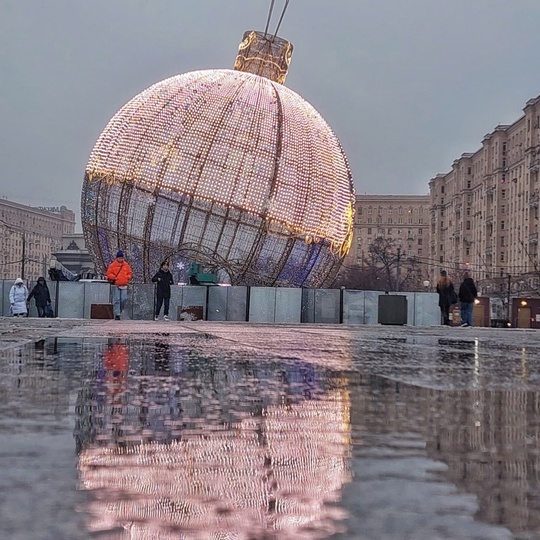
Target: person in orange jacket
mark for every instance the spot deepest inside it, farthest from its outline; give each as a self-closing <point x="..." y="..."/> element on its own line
<point x="116" y="364"/>
<point x="119" y="274"/>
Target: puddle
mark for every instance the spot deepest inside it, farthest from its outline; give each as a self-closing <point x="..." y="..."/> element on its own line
<point x="189" y="437"/>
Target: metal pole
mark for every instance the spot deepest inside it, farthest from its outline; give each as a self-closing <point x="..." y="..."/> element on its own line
<point x="508" y="299"/>
<point x="398" y="270"/>
<point x="23" y="254"/>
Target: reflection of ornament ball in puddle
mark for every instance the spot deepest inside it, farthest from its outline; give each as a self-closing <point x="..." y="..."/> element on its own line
<point x="225" y="168"/>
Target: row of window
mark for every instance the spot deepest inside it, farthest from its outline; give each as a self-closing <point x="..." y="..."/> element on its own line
<point x="390" y="210"/>
<point x="399" y="221"/>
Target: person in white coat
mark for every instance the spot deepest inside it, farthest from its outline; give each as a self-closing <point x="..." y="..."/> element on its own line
<point x="17" y="298"/>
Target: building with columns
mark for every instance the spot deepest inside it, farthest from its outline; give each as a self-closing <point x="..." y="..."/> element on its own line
<point x="484" y="211"/>
<point x="28" y="237"/>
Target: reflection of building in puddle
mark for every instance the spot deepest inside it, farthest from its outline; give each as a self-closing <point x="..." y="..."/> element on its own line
<point x="170" y="461"/>
<point x="30" y="378"/>
<point x="489" y="439"/>
<point x="490" y="442"/>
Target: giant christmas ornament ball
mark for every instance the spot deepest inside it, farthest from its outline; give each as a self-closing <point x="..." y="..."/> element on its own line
<point x="226" y="168"/>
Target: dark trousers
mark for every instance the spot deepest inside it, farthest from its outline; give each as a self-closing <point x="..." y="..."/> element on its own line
<point x="41" y="311"/>
<point x="165" y="302"/>
<point x="445" y="315"/>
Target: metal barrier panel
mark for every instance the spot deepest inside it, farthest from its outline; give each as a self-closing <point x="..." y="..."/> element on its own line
<point x="5" y="298"/>
<point x="308" y="305"/>
<point x="262" y="304"/>
<point x="217" y="303"/>
<point x="426" y="309"/>
<point x="140" y="304"/>
<point x="354" y="307"/>
<point x="194" y="295"/>
<point x="227" y="303"/>
<point x="327" y="306"/>
<point x="371" y="306"/>
<point x="411" y="297"/>
<point x="288" y="305"/>
<point x="177" y="294"/>
<point x="237" y="298"/>
<point x="70" y="303"/>
<point x="95" y="293"/>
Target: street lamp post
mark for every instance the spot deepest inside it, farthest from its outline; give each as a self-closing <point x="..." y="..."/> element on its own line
<point x="398" y="269"/>
<point x="12" y="228"/>
<point x="23" y="254"/>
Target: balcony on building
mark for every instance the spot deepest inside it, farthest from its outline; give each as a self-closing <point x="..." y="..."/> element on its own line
<point x="489" y="220"/>
<point x="533" y="201"/>
<point x="533" y="238"/>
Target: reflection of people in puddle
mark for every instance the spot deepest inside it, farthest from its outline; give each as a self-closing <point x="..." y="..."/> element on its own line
<point x="161" y="356"/>
<point x="116" y="365"/>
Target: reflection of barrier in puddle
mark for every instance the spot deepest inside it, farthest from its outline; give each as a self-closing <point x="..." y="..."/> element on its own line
<point x="166" y="457"/>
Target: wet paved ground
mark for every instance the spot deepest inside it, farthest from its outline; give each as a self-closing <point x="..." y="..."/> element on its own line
<point x="139" y="429"/>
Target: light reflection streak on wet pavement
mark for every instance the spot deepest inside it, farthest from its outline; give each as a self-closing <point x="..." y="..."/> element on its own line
<point x="210" y="436"/>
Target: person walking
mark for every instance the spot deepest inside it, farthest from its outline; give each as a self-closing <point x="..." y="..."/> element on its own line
<point x="42" y="296"/>
<point x="467" y="296"/>
<point x="164" y="280"/>
<point x="447" y="296"/>
<point x="119" y="274"/>
<point x="17" y="298"/>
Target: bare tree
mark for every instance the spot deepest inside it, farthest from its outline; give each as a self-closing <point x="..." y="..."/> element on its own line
<point x="366" y="278"/>
<point x="399" y="271"/>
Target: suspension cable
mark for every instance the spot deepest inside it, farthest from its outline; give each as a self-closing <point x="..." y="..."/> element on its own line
<point x="270" y="11"/>
<point x="269" y="17"/>
<point x="281" y="18"/>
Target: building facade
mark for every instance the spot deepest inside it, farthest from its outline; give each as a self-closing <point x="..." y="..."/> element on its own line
<point x="28" y="237"/>
<point x="402" y="221"/>
<point x="484" y="212"/>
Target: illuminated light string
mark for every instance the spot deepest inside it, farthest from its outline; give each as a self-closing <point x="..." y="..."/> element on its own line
<point x="217" y="137"/>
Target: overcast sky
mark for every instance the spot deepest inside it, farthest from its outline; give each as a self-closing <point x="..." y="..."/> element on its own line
<point x="407" y="85"/>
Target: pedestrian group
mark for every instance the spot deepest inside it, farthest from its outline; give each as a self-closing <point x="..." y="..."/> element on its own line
<point x="466" y="296"/>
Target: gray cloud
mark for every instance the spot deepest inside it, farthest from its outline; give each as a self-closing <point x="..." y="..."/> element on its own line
<point x="407" y="86"/>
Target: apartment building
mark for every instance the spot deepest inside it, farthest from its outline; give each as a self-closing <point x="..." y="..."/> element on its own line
<point x="484" y="212"/>
<point x="28" y="237"/>
<point x="402" y="219"/>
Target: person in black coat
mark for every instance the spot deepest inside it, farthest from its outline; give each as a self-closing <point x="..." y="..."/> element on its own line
<point x="447" y="296"/>
<point x="42" y="296"/>
<point x="467" y="296"/>
<point x="164" y="280"/>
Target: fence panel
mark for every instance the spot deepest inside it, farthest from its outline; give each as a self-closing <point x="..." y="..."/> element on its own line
<point x="140" y="304"/>
<point x="177" y="295"/>
<point x="354" y="307"/>
<point x="95" y="293"/>
<point x="5" y="287"/>
<point x="262" y="304"/>
<point x="70" y="303"/>
<point x="288" y="305"/>
<point x="194" y="297"/>
<point x="426" y="309"/>
<point x="371" y="306"/>
<point x="227" y="303"/>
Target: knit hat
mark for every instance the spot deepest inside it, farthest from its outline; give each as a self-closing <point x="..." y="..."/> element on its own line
<point x="119" y="253"/>
<point x="443" y="272"/>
